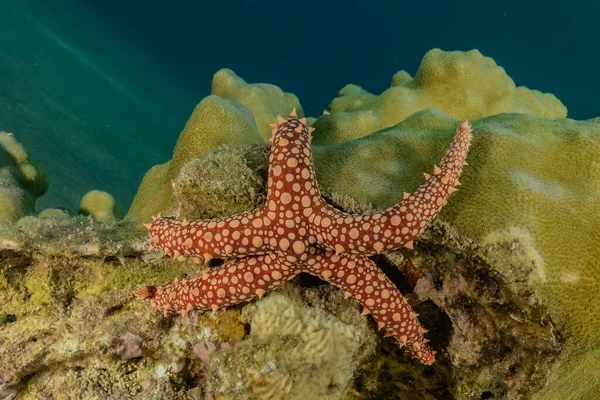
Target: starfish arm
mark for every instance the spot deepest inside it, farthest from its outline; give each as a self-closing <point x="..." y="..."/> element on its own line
<point x="229" y="284"/>
<point x="237" y="236"/>
<point x="293" y="192"/>
<point x="361" y="279"/>
<point x="399" y="225"/>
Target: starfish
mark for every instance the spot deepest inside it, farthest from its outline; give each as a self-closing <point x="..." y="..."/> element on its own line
<point x="296" y="231"/>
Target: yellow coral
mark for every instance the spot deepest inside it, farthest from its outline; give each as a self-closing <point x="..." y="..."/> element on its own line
<point x="264" y="100"/>
<point x="235" y="113"/>
<point x="22" y="181"/>
<point x="101" y="206"/>
<point x="464" y="85"/>
<point x="214" y="122"/>
<point x="529" y="179"/>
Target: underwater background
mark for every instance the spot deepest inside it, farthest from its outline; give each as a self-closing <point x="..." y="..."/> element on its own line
<point x="125" y="125"/>
<point x="99" y="90"/>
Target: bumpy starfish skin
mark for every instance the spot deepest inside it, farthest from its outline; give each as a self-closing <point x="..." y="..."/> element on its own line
<point x="297" y="231"/>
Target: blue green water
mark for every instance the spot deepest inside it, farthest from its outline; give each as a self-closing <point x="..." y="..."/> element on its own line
<point x="99" y="90"/>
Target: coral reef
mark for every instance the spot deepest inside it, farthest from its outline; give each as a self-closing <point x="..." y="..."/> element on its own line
<point x="66" y="284"/>
<point x="511" y="196"/>
<point x="22" y="180"/>
<point x="296" y="231"/>
<point x="505" y="280"/>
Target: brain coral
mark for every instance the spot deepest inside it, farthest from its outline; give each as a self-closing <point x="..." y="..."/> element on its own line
<point x="291" y="353"/>
<point x="464" y="85"/>
<point x="22" y="181"/>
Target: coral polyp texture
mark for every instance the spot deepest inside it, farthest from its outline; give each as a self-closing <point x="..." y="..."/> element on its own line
<point x="297" y="231"/>
<point x="291" y="353"/>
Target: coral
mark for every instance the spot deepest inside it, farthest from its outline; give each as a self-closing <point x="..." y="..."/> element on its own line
<point x="351" y="98"/>
<point x="530" y="189"/>
<point x="101" y="206"/>
<point x="22" y="180"/>
<point x="300" y="233"/>
<point x="264" y="100"/>
<point x="291" y="353"/>
<point x="577" y="378"/>
<point x="214" y="122"/>
<point x="510" y="196"/>
<point x="235" y="113"/>
<point x="55" y="212"/>
<point x="530" y="181"/>
<point x="464" y="85"/>
<point x="66" y="291"/>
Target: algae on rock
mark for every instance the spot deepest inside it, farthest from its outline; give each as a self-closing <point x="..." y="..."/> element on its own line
<point x="229" y="180"/>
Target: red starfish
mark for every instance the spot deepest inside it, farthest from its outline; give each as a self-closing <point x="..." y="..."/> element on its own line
<point x="297" y="231"/>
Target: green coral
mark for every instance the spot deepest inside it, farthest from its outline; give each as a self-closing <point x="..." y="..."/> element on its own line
<point x="22" y="180"/>
<point x="464" y="85"/>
